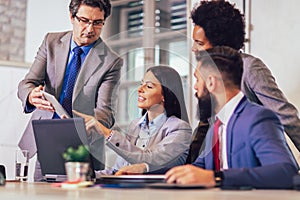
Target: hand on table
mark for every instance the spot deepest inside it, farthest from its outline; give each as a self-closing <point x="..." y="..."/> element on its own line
<point x="189" y="174"/>
<point x="132" y="169"/>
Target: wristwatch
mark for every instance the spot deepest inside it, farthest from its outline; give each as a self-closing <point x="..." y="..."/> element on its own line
<point x="218" y="178"/>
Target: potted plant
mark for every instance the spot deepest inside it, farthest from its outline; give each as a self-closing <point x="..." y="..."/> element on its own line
<point x="77" y="163"/>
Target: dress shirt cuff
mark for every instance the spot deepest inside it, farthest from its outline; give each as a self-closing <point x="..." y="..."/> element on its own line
<point x="147" y="167"/>
<point x="110" y="135"/>
<point x="29" y="108"/>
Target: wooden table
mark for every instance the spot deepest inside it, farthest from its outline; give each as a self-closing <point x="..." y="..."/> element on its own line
<point x="39" y="191"/>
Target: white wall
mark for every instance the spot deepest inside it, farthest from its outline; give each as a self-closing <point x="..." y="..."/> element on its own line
<point x="275" y="39"/>
<point x="12" y="120"/>
<point x="44" y="16"/>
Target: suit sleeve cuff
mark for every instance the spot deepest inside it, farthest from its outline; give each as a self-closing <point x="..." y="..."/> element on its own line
<point x="29" y="108"/>
<point x="147" y="167"/>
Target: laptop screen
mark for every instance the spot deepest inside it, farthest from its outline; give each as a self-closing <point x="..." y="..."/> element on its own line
<point x="53" y="137"/>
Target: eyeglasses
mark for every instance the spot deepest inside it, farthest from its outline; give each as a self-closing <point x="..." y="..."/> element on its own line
<point x="86" y="22"/>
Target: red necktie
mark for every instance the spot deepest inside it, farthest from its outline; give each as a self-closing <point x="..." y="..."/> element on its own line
<point x="215" y="144"/>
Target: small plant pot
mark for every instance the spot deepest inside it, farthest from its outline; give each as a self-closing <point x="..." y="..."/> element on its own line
<point x="77" y="171"/>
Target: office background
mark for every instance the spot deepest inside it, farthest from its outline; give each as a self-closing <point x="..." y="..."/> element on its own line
<point x="273" y="30"/>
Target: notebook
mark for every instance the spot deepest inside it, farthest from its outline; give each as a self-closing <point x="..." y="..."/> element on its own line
<point x="53" y="137"/>
<point x="130" y="179"/>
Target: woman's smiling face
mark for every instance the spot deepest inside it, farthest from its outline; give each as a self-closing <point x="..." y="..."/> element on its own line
<point x="150" y="92"/>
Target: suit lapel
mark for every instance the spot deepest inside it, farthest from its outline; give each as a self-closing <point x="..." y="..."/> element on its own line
<point x="209" y="160"/>
<point x="230" y="128"/>
<point x="91" y="64"/>
<point x="62" y="50"/>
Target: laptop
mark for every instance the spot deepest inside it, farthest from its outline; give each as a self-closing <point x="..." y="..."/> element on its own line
<point x="155" y="181"/>
<point x="53" y="137"/>
<point x="130" y="179"/>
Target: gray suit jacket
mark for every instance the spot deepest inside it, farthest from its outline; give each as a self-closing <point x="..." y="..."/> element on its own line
<point x="167" y="148"/>
<point x="94" y="92"/>
<point x="259" y="86"/>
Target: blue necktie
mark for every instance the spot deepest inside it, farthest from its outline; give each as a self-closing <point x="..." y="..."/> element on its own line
<point x="74" y="69"/>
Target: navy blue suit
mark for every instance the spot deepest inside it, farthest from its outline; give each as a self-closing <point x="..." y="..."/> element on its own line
<point x="257" y="152"/>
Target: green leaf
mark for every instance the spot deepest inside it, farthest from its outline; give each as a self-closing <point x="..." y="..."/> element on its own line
<point x="81" y="154"/>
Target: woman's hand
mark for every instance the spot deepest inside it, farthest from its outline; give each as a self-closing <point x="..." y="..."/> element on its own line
<point x="92" y="123"/>
<point x="132" y="169"/>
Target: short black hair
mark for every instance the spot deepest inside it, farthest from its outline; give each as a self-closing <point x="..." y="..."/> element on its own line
<point x="226" y="60"/>
<point x="223" y="24"/>
<point x="104" y="5"/>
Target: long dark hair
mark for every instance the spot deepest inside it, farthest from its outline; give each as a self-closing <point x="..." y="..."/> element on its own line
<point x="172" y="91"/>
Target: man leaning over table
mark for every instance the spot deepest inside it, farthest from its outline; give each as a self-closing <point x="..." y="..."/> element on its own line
<point x="219" y="23"/>
<point x="95" y="87"/>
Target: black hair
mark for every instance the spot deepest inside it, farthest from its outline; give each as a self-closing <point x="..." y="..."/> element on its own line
<point x="172" y="91"/>
<point x="104" y="5"/>
<point x="226" y="60"/>
<point x="222" y="23"/>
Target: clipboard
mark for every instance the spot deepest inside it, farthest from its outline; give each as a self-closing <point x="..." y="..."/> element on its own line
<point x="57" y="106"/>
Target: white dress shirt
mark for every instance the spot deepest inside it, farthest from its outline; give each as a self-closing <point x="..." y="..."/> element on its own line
<point x="224" y="116"/>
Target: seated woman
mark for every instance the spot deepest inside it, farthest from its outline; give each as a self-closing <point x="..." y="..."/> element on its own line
<point x="162" y="136"/>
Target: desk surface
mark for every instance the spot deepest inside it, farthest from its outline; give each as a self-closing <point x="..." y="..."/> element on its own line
<point x="40" y="191"/>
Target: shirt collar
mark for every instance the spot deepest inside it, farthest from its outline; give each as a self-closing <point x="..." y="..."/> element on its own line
<point x="157" y="121"/>
<point x="225" y="113"/>
<point x="85" y="49"/>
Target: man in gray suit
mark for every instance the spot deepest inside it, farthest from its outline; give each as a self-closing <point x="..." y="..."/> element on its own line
<point x="219" y="23"/>
<point x="97" y="81"/>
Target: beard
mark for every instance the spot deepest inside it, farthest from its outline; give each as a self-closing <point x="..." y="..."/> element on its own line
<point x="205" y="106"/>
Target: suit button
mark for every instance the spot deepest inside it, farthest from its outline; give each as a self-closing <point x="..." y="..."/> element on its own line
<point x="117" y="144"/>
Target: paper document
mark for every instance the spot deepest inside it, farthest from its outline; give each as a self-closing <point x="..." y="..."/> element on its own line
<point x="57" y="106"/>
